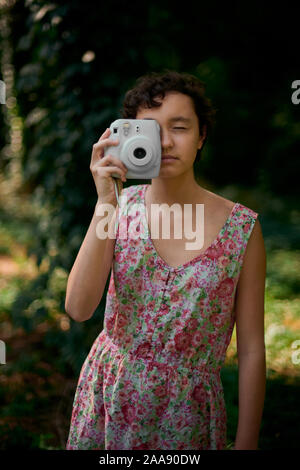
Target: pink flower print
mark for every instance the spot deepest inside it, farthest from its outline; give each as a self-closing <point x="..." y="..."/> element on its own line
<point x="174" y="296"/>
<point x="122" y="320"/>
<point x="164" y="308"/>
<point x="143" y="350"/>
<point x="160" y="410"/>
<point x="141" y="446"/>
<point x="184" y="383"/>
<point x="217" y="319"/>
<point x="230" y="245"/>
<point x="162" y="369"/>
<point x="139" y="284"/>
<point x="223" y="261"/>
<point x="197" y="338"/>
<point x="226" y="287"/>
<point x="140" y="411"/>
<point x="154" y="442"/>
<point x="191" y="284"/>
<point x="151" y="422"/>
<point x="161" y="391"/>
<point x="110" y="379"/>
<point x="182" y="341"/>
<point x="192" y="324"/>
<point x="134" y="396"/>
<point x="127" y="341"/>
<point x="199" y="394"/>
<point x="128" y="413"/>
<point x="189" y="353"/>
<point x="214" y="252"/>
<point x="111" y="287"/>
<point x="141" y="309"/>
<point x="123" y="395"/>
<point x="110" y="321"/>
<point x="151" y="305"/>
<point x="181" y="446"/>
<point x="247" y="227"/>
<point x="151" y="262"/>
<point x="158" y="276"/>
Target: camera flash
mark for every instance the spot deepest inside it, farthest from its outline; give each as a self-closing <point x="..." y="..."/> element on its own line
<point x="126" y="127"/>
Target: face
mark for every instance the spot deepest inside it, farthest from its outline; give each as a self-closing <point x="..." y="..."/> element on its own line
<point x="179" y="132"/>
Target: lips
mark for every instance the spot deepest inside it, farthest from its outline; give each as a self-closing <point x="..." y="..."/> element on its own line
<point x="168" y="157"/>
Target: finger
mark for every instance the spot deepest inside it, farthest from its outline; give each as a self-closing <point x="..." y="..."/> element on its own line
<point x="98" y="149"/>
<point x="111" y="164"/>
<point x="105" y="143"/>
<point x="109" y="170"/>
<point x="109" y="160"/>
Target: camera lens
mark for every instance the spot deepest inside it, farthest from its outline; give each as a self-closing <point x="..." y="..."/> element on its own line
<point x="139" y="152"/>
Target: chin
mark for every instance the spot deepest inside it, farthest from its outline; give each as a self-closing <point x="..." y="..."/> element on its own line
<point x="168" y="174"/>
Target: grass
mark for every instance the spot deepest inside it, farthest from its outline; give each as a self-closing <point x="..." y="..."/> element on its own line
<point x="36" y="397"/>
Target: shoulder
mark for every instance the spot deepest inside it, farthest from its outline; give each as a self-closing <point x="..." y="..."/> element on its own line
<point x="256" y="245"/>
<point x="253" y="270"/>
<point x="244" y="222"/>
<point x="242" y="214"/>
<point x="219" y="207"/>
<point x="218" y="204"/>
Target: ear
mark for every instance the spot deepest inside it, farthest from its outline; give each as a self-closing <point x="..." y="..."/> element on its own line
<point x="202" y="137"/>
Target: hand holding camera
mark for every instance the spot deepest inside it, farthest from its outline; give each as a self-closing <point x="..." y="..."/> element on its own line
<point x="103" y="168"/>
<point x="139" y="147"/>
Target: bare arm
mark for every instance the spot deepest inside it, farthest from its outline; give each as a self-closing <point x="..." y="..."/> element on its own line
<point x="250" y="341"/>
<point x="90" y="271"/>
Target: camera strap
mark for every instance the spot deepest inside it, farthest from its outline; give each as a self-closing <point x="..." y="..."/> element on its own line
<point x="117" y="183"/>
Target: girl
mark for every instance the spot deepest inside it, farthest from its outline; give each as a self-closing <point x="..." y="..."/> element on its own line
<point x="152" y="377"/>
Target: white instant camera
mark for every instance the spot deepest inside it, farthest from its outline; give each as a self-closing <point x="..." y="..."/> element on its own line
<point x="139" y="147"/>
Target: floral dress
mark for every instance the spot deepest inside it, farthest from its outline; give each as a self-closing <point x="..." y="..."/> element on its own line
<point x="152" y="377"/>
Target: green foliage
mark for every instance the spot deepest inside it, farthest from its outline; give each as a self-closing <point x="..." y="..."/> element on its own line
<point x="284" y="274"/>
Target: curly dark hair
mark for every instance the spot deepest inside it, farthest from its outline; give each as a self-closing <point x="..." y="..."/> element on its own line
<point x="156" y="85"/>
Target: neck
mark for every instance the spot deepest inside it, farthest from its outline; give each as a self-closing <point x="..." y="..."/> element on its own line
<point x="182" y="190"/>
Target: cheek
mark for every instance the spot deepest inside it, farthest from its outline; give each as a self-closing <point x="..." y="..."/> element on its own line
<point x="185" y="138"/>
<point x="187" y="142"/>
<point x="191" y="143"/>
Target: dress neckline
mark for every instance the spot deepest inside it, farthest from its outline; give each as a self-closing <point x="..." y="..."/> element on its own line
<point x="197" y="257"/>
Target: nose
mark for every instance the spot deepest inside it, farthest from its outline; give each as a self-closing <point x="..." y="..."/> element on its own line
<point x="166" y="139"/>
